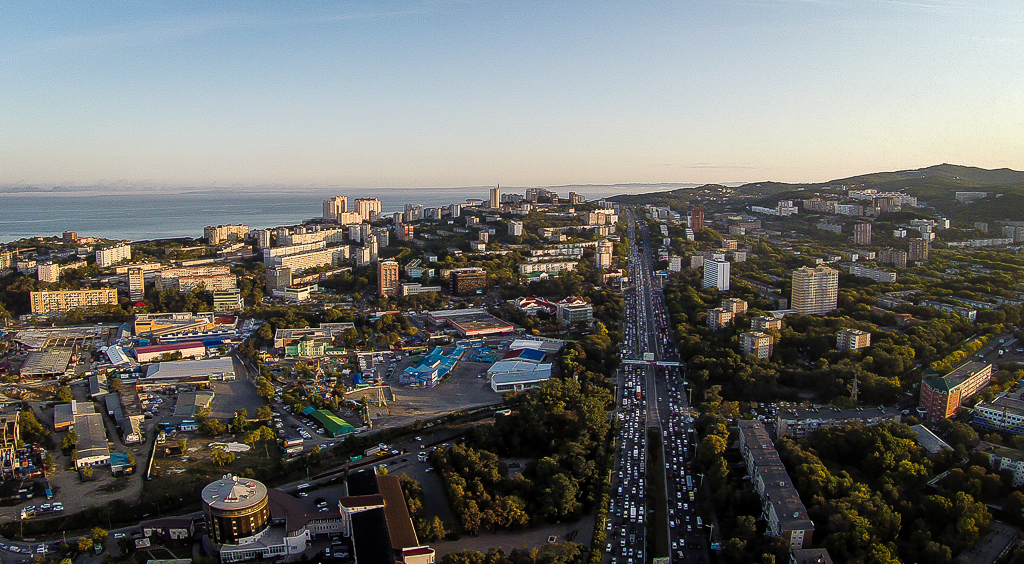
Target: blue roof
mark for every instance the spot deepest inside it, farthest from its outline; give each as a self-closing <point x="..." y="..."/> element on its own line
<point x="119" y="459"/>
<point x="528" y="354"/>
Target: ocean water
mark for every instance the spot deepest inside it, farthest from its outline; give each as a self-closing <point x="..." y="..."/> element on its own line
<point x="163" y="214"/>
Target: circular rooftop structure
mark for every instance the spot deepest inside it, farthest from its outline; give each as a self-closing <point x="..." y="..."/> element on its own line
<point x="232" y="493"/>
<point x="236" y="510"/>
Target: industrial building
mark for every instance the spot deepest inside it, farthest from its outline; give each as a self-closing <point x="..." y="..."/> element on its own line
<point x="470" y="322"/>
<point x="429" y="371"/>
<point x="92" y="440"/>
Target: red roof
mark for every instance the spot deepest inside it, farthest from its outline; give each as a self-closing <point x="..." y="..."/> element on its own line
<point x="173" y="347"/>
<point x="417" y="551"/>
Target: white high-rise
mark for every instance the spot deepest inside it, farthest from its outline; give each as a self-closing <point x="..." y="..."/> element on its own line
<point x="716" y="273"/>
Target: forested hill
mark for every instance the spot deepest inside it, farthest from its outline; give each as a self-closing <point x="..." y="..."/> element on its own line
<point x="934" y="186"/>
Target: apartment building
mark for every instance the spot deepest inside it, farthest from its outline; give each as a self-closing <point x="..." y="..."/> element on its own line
<point x="798" y="423"/>
<point x="815" y="290"/>
<point x="334" y="206"/>
<point x="719" y="318"/>
<point x="515" y="228"/>
<point x="387" y="278"/>
<point x="918" y="249"/>
<point x="716" y="273"/>
<point x="735" y="305"/>
<point x="784" y="513"/>
<point x="216" y="235"/>
<point x="468" y="281"/>
<point x="227" y="300"/>
<point x="63" y="301"/>
<point x="757" y="343"/>
<point x="852" y="340"/>
<point x="872" y="273"/>
<point x="1004" y="414"/>
<point x="941" y="397"/>
<point x="113" y="255"/>
<point x="367" y="208"/>
<point x="895" y="257"/>
<point x="765" y="323"/>
<point x="50" y="272"/>
<point x="309" y="259"/>
<point x="862" y="233"/>
<point x="170" y="277"/>
<point x="136" y="284"/>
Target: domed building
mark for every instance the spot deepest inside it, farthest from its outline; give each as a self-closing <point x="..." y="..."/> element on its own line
<point x="236" y="510"/>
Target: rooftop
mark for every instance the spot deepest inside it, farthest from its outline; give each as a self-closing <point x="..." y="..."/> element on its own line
<point x="184" y="369"/>
<point x="233" y="493"/>
<point x="396" y="513"/>
<point x="92" y="435"/>
<point x="830" y="413"/>
<point x="811" y="556"/>
<point x="929" y="440"/>
<point x="958" y="376"/>
<point x="46" y="363"/>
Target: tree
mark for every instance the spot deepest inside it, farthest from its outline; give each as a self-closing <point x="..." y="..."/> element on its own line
<point x="264" y="413"/>
<point x="212" y="428"/>
<point x="69" y="441"/>
<point x="64" y="394"/>
<point x="221" y="457"/>
<point x="264" y="388"/>
<point x="115" y="384"/>
<point x="240" y="423"/>
<point x="202" y="414"/>
<point x="86" y="471"/>
<point x="84" y="544"/>
<point x="49" y="462"/>
<point x="183" y="445"/>
<point x="99" y="535"/>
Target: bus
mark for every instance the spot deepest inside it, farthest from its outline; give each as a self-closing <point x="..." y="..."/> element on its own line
<point x="689" y="482"/>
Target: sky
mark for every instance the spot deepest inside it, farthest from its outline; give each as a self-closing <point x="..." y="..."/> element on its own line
<point x="531" y="93"/>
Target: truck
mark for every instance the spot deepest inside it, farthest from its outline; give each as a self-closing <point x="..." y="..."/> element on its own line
<point x="372" y="451"/>
<point x="355" y="458"/>
<point x="291" y="442"/>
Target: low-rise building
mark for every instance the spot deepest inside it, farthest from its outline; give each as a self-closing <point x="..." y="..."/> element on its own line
<point x="735" y="306"/>
<point x="799" y="423"/>
<point x="576" y="313"/>
<point x="1004" y="458"/>
<point x="929" y="441"/>
<point x="1004" y="414"/>
<point x="872" y="273"/>
<point x="92" y="441"/>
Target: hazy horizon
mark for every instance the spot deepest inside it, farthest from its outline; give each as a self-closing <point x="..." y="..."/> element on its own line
<point x="433" y="93"/>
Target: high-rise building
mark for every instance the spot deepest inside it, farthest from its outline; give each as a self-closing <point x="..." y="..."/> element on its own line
<point x="64" y="301"/>
<point x="367" y="208"/>
<point x="852" y="340"/>
<point x="263" y="238"/>
<point x="278" y="278"/>
<point x="113" y="255"/>
<point x="387" y="278"/>
<point x="404" y="232"/>
<point x="455" y="210"/>
<point x="756" y="343"/>
<point x="895" y="257"/>
<point x="815" y="290"/>
<point x="862" y="233"/>
<point x="575" y="199"/>
<point x="603" y="259"/>
<point x="716" y="273"/>
<point x="495" y="202"/>
<point x="697" y="219"/>
<point x="69" y="237"/>
<point x="334" y="206"/>
<point x="515" y="228"/>
<point x="918" y="249"/>
<point x="136" y="284"/>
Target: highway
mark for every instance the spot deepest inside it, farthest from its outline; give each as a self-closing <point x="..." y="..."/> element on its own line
<point x="652" y="397"/>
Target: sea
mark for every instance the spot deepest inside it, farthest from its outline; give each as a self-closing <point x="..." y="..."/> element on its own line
<point x="165" y="214"/>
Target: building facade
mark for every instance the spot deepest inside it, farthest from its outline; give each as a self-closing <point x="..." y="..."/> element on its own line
<point x="44" y="302"/>
<point x="216" y="235"/>
<point x="918" y="249"/>
<point x="852" y="340"/>
<point x="757" y="343"/>
<point x="941" y="397"/>
<point x="387" y="278"/>
<point x="862" y="233"/>
<point x="113" y="255"/>
<point x="716" y="273"/>
<point x="815" y="290"/>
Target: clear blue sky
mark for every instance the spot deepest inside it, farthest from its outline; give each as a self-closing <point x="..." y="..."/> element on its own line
<point x="457" y="93"/>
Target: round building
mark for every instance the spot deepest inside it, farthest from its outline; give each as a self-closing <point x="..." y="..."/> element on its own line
<point x="236" y="510"/>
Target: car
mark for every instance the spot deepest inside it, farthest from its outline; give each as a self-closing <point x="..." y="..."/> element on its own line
<point x="303" y="494"/>
<point x="118" y="535"/>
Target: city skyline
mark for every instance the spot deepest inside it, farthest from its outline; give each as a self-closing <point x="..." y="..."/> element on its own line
<point x="451" y="94"/>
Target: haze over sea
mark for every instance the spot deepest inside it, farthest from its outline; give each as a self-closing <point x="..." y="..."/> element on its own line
<point x="162" y="214"/>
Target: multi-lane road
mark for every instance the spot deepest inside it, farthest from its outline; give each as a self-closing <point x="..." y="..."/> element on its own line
<point x="652" y="396"/>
